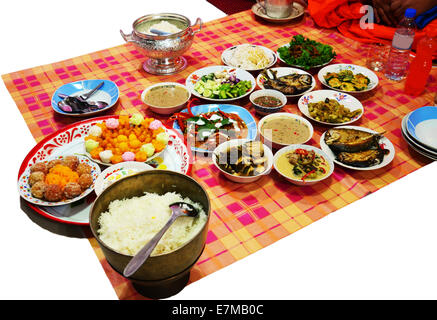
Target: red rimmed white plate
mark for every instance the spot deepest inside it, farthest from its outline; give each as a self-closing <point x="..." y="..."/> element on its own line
<point x="70" y="140"/>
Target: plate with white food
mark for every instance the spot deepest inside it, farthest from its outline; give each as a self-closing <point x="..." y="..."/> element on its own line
<point x="249" y="57"/>
<point x="220" y="83"/>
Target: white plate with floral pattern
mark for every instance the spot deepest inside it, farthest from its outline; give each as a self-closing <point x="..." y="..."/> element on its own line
<point x="118" y="171"/>
<point x="25" y="189"/>
<point x="344" y="99"/>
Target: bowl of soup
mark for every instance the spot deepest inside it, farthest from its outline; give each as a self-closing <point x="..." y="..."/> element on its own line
<point x="283" y="129"/>
<point x="166" y="98"/>
<point x="303" y="165"/>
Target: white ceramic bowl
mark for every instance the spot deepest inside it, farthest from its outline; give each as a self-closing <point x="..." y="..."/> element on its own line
<point x="306" y="147"/>
<point x="228" y="53"/>
<point x="166" y="110"/>
<point x="277" y="145"/>
<point x="242" y="179"/>
<point x="355" y="69"/>
<point x="267" y="92"/>
<point x="345" y="99"/>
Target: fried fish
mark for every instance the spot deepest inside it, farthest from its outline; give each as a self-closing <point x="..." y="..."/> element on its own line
<point x="290" y="84"/>
<point x="362" y="159"/>
<point x="350" y="140"/>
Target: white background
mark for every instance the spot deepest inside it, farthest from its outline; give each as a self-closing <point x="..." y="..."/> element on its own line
<point x="382" y="246"/>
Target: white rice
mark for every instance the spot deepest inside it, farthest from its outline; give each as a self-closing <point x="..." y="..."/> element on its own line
<point x="249" y="57"/>
<point x="130" y="223"/>
<point x="164" y="26"/>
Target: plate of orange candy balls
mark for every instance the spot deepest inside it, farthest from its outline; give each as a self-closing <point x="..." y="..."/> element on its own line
<point x="126" y="138"/>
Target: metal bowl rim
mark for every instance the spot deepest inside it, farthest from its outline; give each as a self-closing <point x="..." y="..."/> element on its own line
<point x="162" y="16"/>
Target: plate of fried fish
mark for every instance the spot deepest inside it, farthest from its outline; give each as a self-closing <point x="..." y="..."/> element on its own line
<point x="357" y="148"/>
<point x="291" y="82"/>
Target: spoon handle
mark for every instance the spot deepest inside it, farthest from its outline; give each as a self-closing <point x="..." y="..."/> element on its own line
<point x="137" y="261"/>
<point x="88" y="94"/>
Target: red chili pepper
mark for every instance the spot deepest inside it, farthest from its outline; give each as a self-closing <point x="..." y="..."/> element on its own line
<point x="304" y="177"/>
<point x="222" y="113"/>
<point x="301" y="152"/>
<point x="189" y="106"/>
<point x="322" y="169"/>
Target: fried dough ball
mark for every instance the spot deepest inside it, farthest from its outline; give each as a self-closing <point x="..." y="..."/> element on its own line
<point x="53" y="163"/>
<point x="53" y="192"/>
<point x="39" y="166"/>
<point x="38" y="189"/>
<point x="72" y="162"/>
<point x="36" y="176"/>
<point x="72" y="190"/>
<point x="85" y="180"/>
<point x="83" y="168"/>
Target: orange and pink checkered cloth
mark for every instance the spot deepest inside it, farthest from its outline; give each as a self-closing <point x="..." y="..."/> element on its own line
<point x="244" y="217"/>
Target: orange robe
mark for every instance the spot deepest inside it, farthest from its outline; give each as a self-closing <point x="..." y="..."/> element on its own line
<point x="345" y="15"/>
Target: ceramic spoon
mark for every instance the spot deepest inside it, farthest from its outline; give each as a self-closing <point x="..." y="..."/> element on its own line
<point x="178" y="209"/>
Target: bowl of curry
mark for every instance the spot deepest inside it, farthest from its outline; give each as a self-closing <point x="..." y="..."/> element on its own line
<point x="303" y="165"/>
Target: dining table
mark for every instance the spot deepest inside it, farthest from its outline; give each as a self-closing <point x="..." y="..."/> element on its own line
<point x="379" y="244"/>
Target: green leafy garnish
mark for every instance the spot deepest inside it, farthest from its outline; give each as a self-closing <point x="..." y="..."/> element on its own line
<point x="306" y="53"/>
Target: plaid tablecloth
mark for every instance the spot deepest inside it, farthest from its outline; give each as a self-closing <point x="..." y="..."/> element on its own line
<point x="244" y="217"/>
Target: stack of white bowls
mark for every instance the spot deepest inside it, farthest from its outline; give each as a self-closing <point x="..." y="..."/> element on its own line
<point x="419" y="129"/>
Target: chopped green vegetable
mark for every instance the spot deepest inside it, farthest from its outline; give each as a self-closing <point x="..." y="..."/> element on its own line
<point x="222" y="86"/>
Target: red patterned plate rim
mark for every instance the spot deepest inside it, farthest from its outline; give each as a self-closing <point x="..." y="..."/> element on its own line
<point x="38" y="146"/>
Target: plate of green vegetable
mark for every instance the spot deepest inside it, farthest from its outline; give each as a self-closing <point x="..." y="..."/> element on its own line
<point x="305" y="53"/>
<point x="220" y="83"/>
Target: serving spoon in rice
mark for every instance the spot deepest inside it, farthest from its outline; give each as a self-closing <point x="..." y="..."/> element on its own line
<point x="178" y="209"/>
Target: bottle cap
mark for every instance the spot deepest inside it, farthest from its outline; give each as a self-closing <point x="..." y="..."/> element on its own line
<point x="410" y="13"/>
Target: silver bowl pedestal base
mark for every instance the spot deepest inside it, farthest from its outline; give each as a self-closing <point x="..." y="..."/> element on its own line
<point x="164" y="66"/>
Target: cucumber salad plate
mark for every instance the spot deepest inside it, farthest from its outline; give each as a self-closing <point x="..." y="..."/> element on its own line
<point x="220" y="83"/>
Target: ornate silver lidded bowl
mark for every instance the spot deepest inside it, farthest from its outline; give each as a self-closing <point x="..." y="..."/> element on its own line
<point x="164" y="52"/>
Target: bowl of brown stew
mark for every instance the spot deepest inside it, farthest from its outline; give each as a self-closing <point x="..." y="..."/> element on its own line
<point x="268" y="101"/>
<point x="166" y="97"/>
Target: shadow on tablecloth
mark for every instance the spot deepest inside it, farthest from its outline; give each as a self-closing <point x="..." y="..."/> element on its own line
<point x="63" y="229"/>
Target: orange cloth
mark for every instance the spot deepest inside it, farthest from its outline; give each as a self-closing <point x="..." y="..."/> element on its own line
<point x="345" y="15"/>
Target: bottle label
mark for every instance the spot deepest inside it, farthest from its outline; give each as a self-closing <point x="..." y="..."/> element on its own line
<point x="402" y="42"/>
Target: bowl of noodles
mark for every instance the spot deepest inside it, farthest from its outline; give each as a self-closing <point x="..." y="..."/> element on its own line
<point x="249" y="57"/>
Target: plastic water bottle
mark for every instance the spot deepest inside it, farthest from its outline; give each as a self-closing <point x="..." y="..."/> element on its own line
<point x="397" y="62"/>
